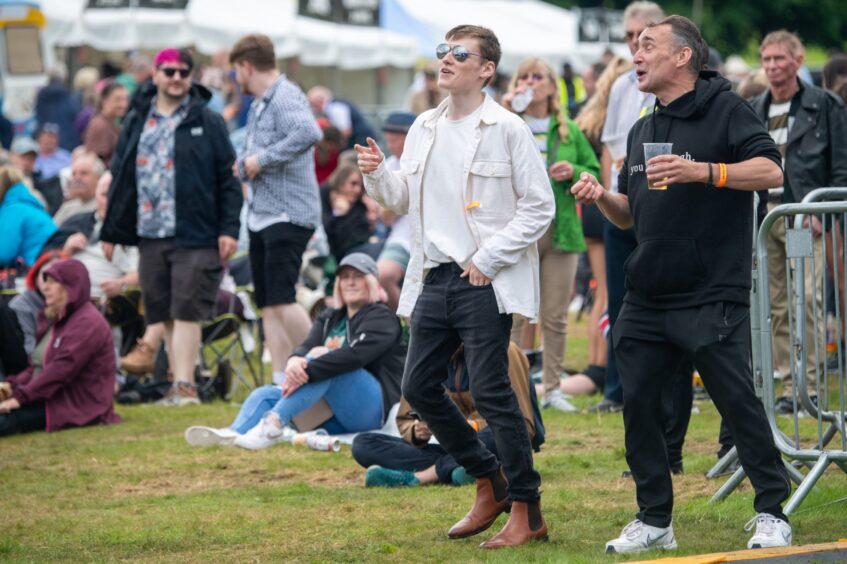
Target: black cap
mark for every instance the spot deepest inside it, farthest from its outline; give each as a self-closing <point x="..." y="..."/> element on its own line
<point x="361" y="262"/>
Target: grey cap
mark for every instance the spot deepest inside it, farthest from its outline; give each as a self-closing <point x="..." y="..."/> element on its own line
<point x="361" y="262"/>
<point x="23" y="144"/>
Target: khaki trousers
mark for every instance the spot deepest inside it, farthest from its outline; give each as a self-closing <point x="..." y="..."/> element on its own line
<point x="780" y="303"/>
<point x="558" y="271"/>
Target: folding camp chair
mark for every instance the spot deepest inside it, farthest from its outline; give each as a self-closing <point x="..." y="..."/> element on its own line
<point x="225" y="357"/>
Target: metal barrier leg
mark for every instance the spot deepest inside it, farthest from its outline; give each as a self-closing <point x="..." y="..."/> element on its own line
<point x="828" y="435"/>
<point x="729" y="486"/>
<point x="796" y="476"/>
<point x="723" y="464"/>
<point x="811" y="479"/>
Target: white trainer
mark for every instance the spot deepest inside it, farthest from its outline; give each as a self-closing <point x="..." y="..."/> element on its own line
<point x="266" y="433"/>
<point x="770" y="532"/>
<point x="201" y="436"/>
<point x="638" y="537"/>
<point x="557" y="400"/>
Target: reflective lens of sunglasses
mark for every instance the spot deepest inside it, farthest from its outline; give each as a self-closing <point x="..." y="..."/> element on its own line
<point x="460" y="53"/>
<point x="170" y="72"/>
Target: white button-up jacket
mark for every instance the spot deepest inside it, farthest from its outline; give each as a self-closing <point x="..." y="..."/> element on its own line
<point x="509" y="203"/>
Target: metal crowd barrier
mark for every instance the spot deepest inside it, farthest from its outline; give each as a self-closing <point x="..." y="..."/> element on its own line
<point x="802" y="446"/>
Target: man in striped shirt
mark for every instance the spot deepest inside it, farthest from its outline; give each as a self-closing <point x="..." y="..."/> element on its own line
<point x="279" y="169"/>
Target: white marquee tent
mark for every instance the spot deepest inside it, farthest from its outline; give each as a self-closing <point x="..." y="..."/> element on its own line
<point x="525" y="28"/>
<point x="214" y="25"/>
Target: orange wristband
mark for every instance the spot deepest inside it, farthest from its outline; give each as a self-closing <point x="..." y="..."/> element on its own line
<point x="721" y="176"/>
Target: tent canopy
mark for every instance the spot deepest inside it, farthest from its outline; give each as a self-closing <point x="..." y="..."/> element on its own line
<point x="527" y="28"/>
<point x="215" y="25"/>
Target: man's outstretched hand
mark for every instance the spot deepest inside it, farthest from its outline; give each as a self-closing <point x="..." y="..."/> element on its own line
<point x="587" y="189"/>
<point x="369" y="157"/>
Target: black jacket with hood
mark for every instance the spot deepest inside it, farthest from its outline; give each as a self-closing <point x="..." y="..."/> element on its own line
<point x="208" y="196"/>
<point x="816" y="149"/>
<point x="694" y="240"/>
<point x="373" y="342"/>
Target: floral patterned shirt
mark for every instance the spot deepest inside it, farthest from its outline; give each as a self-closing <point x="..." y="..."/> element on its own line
<point x="154" y="164"/>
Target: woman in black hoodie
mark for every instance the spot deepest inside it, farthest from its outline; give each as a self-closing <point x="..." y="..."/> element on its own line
<point x="351" y="359"/>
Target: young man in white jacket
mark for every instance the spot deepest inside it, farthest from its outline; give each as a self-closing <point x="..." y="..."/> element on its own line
<point x="478" y="199"/>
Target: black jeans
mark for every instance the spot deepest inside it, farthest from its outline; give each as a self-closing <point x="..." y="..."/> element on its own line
<point x="448" y="312"/>
<point x="619" y="244"/>
<point x="23" y="420"/>
<point x="13" y="357"/>
<point x="650" y="344"/>
<point x="397" y="454"/>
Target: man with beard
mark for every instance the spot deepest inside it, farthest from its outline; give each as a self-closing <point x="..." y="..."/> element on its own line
<point x="175" y="197"/>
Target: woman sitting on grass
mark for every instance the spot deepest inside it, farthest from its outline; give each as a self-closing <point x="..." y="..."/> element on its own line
<point x="350" y="359"/>
<point x="412" y="460"/>
<point x="72" y="377"/>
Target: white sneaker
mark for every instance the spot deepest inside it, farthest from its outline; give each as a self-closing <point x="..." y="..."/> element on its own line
<point x="201" y="436"/>
<point x="638" y="537"/>
<point x="557" y="400"/>
<point x="770" y="532"/>
<point x="265" y="434"/>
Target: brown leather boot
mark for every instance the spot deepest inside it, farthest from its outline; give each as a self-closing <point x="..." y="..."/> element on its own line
<point x="139" y="360"/>
<point x="486" y="507"/>
<point x="525" y="524"/>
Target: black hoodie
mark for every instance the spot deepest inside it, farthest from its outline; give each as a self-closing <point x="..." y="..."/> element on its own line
<point x="208" y="196"/>
<point x="694" y="240"/>
<point x="374" y="342"/>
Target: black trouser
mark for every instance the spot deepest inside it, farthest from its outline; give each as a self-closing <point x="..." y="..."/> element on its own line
<point x="25" y="419"/>
<point x="678" y="397"/>
<point x="449" y="312"/>
<point x="397" y="454"/>
<point x="13" y="357"/>
<point x="618" y="244"/>
<point x="650" y="344"/>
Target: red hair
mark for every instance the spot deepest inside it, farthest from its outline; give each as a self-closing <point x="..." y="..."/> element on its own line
<point x="45" y="257"/>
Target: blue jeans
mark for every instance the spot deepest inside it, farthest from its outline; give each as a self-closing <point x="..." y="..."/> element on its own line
<point x="354" y="397"/>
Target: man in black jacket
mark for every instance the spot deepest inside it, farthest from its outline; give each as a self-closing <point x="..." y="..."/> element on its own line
<point x="688" y="280"/>
<point x="174" y="196"/>
<point x="809" y="127"/>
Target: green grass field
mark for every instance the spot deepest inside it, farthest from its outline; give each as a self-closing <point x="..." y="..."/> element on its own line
<point x="136" y="491"/>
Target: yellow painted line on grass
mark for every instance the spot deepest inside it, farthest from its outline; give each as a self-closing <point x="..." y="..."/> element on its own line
<point x="741" y="555"/>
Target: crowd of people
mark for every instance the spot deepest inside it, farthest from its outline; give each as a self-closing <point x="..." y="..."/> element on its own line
<point x="440" y="252"/>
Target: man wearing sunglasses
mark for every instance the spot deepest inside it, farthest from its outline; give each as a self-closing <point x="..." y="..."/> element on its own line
<point x="478" y="199"/>
<point x="174" y="196"/>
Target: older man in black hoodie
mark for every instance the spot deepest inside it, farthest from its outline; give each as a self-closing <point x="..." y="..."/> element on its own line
<point x="688" y="280"/>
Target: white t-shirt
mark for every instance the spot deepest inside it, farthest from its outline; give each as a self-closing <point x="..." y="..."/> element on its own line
<point x="124" y="260"/>
<point x="539" y="128"/>
<point x="447" y="237"/>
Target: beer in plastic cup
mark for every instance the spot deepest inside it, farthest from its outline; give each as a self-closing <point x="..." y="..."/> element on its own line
<point x="654" y="150"/>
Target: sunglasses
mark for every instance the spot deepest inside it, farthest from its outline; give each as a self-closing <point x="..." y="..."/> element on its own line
<point x="632" y="34"/>
<point x="460" y="53"/>
<point x="536" y="76"/>
<point x="170" y="72"/>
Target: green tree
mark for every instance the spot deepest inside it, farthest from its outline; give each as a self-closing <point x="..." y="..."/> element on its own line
<point x="734" y="26"/>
